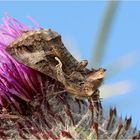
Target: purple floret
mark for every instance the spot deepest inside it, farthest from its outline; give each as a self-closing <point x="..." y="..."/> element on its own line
<point x="16" y="80"/>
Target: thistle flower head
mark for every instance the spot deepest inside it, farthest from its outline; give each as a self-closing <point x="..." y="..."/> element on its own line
<point x="18" y="83"/>
<point x="45" y="113"/>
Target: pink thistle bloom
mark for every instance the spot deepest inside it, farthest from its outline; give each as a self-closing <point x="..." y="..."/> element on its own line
<point x="17" y="81"/>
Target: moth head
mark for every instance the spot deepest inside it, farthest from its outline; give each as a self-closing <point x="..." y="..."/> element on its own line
<point x="92" y="82"/>
<point x="96" y="75"/>
<point x="86" y="85"/>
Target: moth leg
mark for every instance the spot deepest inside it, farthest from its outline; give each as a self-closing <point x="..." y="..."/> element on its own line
<point x="95" y="105"/>
<point x="59" y="71"/>
<point x="96" y="99"/>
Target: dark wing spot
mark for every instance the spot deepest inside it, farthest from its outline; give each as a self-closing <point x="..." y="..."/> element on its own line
<point x="28" y="48"/>
<point x="41" y="62"/>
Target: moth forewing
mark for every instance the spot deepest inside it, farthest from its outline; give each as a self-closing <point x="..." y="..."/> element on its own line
<point x="44" y="51"/>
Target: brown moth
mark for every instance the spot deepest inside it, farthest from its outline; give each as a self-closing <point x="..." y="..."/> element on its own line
<point x="44" y="51"/>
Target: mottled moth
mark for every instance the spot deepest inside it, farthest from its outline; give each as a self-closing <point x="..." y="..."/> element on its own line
<point x="44" y="51"/>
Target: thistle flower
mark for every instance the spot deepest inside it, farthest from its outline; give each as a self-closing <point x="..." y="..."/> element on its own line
<point x="34" y="106"/>
<point x="18" y="83"/>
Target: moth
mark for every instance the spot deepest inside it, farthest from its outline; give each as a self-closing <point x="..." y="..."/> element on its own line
<point x="44" y="51"/>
